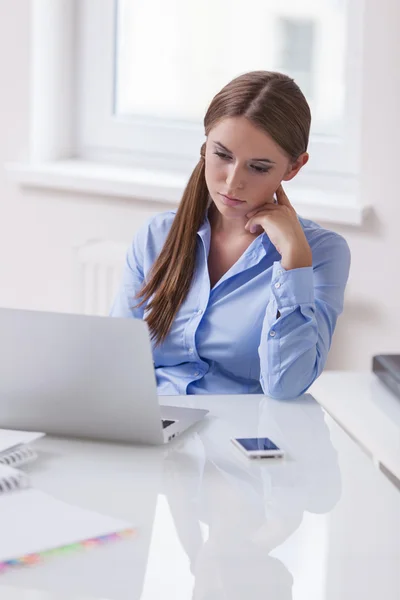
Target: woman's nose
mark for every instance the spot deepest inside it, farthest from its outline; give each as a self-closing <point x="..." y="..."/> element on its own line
<point x="234" y="178"/>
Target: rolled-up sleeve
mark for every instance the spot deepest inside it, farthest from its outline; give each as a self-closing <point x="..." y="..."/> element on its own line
<point x="300" y="319"/>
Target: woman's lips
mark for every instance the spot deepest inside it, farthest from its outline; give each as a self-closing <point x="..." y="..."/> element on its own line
<point x="231" y="201"/>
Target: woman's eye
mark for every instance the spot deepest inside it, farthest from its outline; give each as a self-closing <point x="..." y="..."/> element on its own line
<point x="222" y="155"/>
<point x="258" y="169"/>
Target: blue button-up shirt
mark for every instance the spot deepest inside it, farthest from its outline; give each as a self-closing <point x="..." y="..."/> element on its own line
<point x="259" y="329"/>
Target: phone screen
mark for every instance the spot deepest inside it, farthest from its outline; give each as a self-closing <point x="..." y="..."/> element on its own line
<point x="256" y="444"/>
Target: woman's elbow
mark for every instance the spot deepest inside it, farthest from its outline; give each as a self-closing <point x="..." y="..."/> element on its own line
<point x="286" y="387"/>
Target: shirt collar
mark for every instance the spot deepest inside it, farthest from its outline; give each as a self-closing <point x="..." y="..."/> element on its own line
<point x="262" y="244"/>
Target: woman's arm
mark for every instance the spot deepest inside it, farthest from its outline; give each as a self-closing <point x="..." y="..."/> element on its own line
<point x="294" y="346"/>
<point x="132" y="280"/>
<point x="145" y="248"/>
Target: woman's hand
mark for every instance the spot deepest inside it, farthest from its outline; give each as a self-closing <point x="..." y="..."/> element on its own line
<point x="283" y="228"/>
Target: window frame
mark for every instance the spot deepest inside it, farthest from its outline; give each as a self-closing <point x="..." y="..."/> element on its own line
<point x="160" y="143"/>
<point x="54" y="160"/>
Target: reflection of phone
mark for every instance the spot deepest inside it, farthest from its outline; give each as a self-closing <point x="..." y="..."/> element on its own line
<point x="258" y="447"/>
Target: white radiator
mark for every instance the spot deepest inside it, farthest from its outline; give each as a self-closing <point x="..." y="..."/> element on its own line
<point x="99" y="266"/>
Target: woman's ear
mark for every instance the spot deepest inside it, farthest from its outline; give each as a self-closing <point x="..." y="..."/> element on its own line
<point x="295" y="167"/>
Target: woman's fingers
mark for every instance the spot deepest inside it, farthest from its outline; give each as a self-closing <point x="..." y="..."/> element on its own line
<point x="264" y="207"/>
<point x="282" y="198"/>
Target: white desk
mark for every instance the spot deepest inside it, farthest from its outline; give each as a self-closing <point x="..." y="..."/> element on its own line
<point x="322" y="524"/>
<point x="8" y="592"/>
<point x="367" y="410"/>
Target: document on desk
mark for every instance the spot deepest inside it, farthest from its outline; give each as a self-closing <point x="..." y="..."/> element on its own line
<point x="33" y="522"/>
<point x="9" y="438"/>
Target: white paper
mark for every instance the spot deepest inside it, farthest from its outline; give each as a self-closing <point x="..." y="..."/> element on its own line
<point x="12" y="437"/>
<point x="32" y="521"/>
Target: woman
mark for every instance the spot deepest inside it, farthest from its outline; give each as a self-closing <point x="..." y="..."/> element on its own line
<point x="240" y="294"/>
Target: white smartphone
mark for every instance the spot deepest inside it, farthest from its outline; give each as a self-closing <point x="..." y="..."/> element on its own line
<point x="258" y="447"/>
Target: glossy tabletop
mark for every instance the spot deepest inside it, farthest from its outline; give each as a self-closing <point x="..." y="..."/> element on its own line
<point x="320" y="524"/>
<point x="367" y="410"/>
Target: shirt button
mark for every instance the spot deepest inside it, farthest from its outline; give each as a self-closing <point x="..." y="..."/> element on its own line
<point x="280" y="272"/>
<point x="190" y="350"/>
<point x="196" y="373"/>
<point x="277" y="285"/>
<point x="272" y="333"/>
<point x="199" y="312"/>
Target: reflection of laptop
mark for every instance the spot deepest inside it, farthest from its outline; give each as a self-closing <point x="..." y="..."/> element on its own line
<point x="83" y="376"/>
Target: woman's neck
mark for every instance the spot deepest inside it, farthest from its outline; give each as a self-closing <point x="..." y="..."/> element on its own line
<point x="225" y="226"/>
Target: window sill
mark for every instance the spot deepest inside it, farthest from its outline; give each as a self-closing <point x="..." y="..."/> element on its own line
<point x="167" y="187"/>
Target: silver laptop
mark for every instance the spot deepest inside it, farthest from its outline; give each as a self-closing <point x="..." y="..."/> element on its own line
<point x="83" y="376"/>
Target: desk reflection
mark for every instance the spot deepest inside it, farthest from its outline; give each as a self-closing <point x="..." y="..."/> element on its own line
<point x="230" y="512"/>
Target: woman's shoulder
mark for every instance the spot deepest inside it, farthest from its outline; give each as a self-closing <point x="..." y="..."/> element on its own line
<point x="151" y="235"/>
<point x="156" y="227"/>
<point x="327" y="246"/>
<point x="160" y="222"/>
<point x="320" y="236"/>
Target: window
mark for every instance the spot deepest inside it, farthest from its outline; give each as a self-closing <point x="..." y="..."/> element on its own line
<point x="148" y="69"/>
<point x="297" y="48"/>
<point x="120" y="87"/>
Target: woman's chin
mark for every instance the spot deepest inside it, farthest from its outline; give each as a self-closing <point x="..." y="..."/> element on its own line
<point x="231" y="211"/>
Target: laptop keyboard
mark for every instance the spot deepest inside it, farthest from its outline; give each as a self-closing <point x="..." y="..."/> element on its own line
<point x="166" y="423"/>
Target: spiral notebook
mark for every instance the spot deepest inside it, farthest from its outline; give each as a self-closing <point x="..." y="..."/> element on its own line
<point x="15" y="450"/>
<point x="18" y="456"/>
<point x="34" y="524"/>
<point x="12" y="479"/>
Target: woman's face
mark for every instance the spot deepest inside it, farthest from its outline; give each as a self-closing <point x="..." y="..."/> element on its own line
<point x="244" y="166"/>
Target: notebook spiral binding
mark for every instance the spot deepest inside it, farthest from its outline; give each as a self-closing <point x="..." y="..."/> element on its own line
<point x="17" y="456"/>
<point x="13" y="481"/>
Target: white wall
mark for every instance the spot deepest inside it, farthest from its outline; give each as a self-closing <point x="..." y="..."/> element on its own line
<point x="38" y="230"/>
<point x="371" y="322"/>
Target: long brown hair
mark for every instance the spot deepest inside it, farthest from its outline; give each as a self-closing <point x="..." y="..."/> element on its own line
<point x="272" y="102"/>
